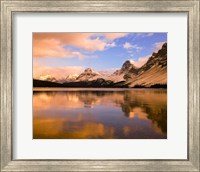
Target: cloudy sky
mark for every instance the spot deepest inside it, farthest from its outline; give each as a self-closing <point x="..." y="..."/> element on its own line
<point x="61" y="54"/>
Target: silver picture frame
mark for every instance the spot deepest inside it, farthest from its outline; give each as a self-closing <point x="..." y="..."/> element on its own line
<point x="10" y="7"/>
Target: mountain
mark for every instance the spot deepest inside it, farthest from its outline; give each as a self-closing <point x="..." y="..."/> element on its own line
<point x="122" y="74"/>
<point x="97" y="83"/>
<point x="71" y="78"/>
<point x="47" y="78"/>
<point x="88" y="75"/>
<point x="154" y="72"/>
<point x="128" y="66"/>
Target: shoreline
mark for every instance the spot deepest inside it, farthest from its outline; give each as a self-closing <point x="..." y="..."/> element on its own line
<point x="90" y="89"/>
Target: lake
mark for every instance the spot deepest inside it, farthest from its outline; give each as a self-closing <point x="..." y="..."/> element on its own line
<point x="91" y="113"/>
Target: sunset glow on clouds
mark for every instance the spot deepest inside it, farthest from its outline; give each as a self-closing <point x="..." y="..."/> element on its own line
<point x="52" y="44"/>
<point x="141" y="61"/>
<point x="61" y="54"/>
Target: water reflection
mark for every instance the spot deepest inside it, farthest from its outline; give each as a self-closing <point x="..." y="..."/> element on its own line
<point x="85" y="114"/>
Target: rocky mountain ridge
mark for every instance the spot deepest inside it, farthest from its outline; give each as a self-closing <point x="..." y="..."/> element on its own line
<point x="152" y="74"/>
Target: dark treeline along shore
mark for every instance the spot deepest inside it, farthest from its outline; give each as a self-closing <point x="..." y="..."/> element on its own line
<point x="153" y="74"/>
<point x="91" y="84"/>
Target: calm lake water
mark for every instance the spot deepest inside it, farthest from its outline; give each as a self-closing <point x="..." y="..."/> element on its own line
<point x="99" y="113"/>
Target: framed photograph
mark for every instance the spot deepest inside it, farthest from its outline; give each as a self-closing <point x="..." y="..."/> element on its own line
<point x="90" y="97"/>
<point x="100" y="85"/>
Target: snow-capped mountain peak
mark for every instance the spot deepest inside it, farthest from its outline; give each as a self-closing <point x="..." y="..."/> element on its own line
<point x="122" y="74"/>
<point x="71" y="77"/>
<point x="152" y="73"/>
<point x="90" y="71"/>
<point x="127" y="65"/>
<point x="131" y="61"/>
<point x="47" y="78"/>
<point x="88" y="74"/>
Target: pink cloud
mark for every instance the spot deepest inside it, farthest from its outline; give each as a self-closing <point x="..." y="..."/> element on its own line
<point x="112" y="36"/>
<point x="52" y="44"/>
<point x="141" y="61"/>
<point x="52" y="48"/>
<point x="108" y="72"/>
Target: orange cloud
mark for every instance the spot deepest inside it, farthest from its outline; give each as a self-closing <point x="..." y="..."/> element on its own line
<point x="49" y="48"/>
<point x="112" y="36"/>
<point x="141" y="61"/>
<point x="52" y="44"/>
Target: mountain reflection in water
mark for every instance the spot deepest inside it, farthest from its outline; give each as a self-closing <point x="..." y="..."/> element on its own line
<point x="100" y="114"/>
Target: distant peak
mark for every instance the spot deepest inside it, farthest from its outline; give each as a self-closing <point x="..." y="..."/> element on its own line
<point x="130" y="61"/>
<point x="153" y="54"/>
<point x="164" y="45"/>
<point x="128" y="64"/>
<point x="72" y="75"/>
<point x="47" y="78"/>
<point x="44" y="77"/>
<point x="88" y="70"/>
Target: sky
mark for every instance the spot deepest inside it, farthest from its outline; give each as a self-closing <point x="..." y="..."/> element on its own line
<point x="62" y="54"/>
